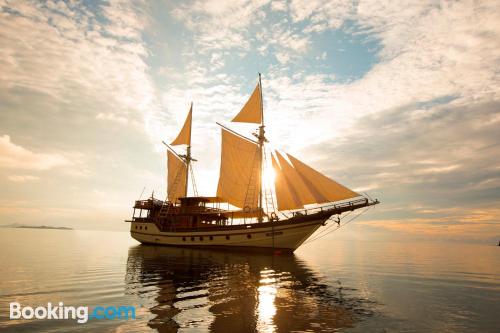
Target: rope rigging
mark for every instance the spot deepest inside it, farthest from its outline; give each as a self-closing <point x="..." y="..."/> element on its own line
<point x="193" y="181"/>
<point x="329" y="230"/>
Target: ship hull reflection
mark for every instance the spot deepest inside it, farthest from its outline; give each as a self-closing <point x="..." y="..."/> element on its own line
<point x="210" y="290"/>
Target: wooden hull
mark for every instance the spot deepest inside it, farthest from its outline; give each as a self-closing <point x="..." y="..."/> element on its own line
<point x="264" y="236"/>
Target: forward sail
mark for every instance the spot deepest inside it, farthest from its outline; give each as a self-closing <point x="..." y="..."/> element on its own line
<point x="325" y="188"/>
<point x="177" y="177"/>
<point x="239" y="178"/>
<point x="252" y="110"/>
<point x="297" y="184"/>
<point x="184" y="137"/>
<point x="291" y="191"/>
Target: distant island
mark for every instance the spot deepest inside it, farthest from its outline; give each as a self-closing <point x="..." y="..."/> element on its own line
<point x="17" y="225"/>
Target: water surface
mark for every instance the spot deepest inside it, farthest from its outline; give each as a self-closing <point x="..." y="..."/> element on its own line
<point x="327" y="286"/>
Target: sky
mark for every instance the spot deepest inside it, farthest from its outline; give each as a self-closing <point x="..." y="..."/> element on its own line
<point x="399" y="99"/>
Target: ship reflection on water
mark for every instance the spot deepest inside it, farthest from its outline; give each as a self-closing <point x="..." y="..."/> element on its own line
<point x="235" y="292"/>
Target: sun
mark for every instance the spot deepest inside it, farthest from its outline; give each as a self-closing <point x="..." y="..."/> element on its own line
<point x="268" y="176"/>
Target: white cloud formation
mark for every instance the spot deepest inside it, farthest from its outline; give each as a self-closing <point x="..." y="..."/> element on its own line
<point x="321" y="14"/>
<point x="430" y="54"/>
<point x="279" y="5"/>
<point x="22" y="178"/>
<point x="15" y="157"/>
<point x="64" y="50"/>
<point x="435" y="62"/>
<point x="220" y="24"/>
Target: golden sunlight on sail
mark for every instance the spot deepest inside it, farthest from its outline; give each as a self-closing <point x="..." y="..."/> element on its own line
<point x="184" y="137"/>
<point x="268" y="177"/>
<point x="250" y="217"/>
<point x="291" y="190"/>
<point x="239" y="178"/>
<point x="322" y="187"/>
<point x="252" y="110"/>
<point x="177" y="173"/>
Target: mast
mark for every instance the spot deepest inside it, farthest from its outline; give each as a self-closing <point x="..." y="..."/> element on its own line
<point x="261" y="141"/>
<point x="188" y="159"/>
<point x="184" y="138"/>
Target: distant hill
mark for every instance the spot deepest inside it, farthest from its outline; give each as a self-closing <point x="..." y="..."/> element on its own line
<point x="17" y="225"/>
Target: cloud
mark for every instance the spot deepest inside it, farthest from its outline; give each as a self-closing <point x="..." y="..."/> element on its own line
<point x="320" y="14"/>
<point x="112" y="117"/>
<point x="435" y="168"/>
<point x="279" y="5"/>
<point x="15" y="157"/>
<point x="471" y="225"/>
<point x="22" y="178"/>
<point x="220" y="24"/>
<point x="76" y="54"/>
<point x="282" y="57"/>
<point x="441" y="148"/>
<point x="416" y="126"/>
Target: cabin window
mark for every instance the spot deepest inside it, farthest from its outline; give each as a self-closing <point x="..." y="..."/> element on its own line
<point x="227" y="237"/>
<point x="192" y="238"/>
<point x="183" y="239"/>
<point x="146" y="228"/>
<point x="249" y="236"/>
<point x="201" y="238"/>
<point x="211" y="237"/>
<point x="140" y="227"/>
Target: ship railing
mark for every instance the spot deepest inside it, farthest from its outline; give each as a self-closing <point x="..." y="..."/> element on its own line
<point x="147" y="203"/>
<point x="201" y="210"/>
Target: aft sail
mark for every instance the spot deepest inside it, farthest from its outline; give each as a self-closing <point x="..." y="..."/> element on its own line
<point x="239" y="178"/>
<point x="177" y="177"/>
<point x="178" y="166"/>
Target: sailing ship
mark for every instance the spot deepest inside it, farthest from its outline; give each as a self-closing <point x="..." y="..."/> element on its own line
<point x="247" y="212"/>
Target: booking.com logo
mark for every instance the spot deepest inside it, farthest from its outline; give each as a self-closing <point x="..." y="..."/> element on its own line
<point x="60" y="311"/>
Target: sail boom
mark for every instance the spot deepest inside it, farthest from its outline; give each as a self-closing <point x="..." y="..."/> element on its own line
<point x="236" y="133"/>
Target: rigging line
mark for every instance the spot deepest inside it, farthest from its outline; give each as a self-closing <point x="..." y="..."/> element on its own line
<point x="178" y="175"/>
<point x="249" y="186"/>
<point x="173" y="151"/>
<point x="331" y="226"/>
<point x="340" y="226"/>
<point x="193" y="181"/>
<point x="321" y="233"/>
<point x="269" y="185"/>
<point x="144" y="188"/>
<point x="236" y="133"/>
<point x="369" y="197"/>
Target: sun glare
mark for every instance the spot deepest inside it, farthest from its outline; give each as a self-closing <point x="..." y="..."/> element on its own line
<point x="268" y="175"/>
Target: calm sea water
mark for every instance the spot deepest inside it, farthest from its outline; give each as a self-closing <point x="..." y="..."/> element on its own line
<point x="327" y="286"/>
